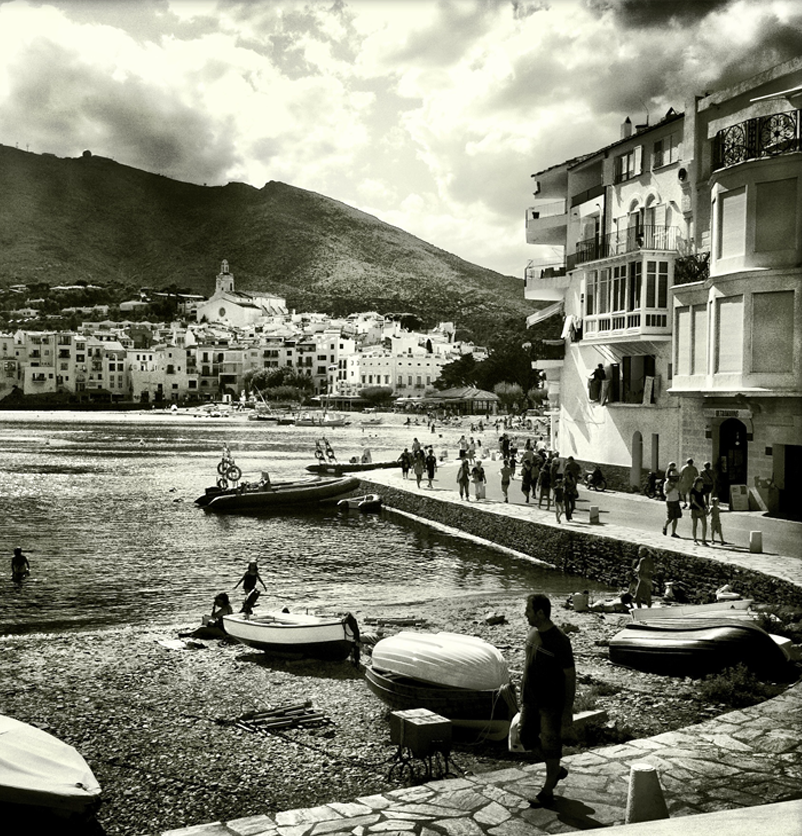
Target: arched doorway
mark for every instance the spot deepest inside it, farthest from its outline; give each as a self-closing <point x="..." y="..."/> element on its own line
<point x="732" y="456"/>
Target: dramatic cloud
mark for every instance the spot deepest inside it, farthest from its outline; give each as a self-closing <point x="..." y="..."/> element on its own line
<point x="430" y="114"/>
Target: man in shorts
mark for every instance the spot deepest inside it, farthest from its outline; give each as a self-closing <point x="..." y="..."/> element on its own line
<point x="547" y="694"/>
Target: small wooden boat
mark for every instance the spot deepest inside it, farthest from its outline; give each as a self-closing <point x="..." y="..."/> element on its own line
<point x="365" y="503"/>
<point x="264" y="497"/>
<point x="338" y="468"/>
<point x="685" y="646"/>
<point x="459" y="677"/>
<point x="728" y="609"/>
<point x="295" y="633"/>
<point x="315" y="419"/>
<point x="39" y="770"/>
<point x="372" y="421"/>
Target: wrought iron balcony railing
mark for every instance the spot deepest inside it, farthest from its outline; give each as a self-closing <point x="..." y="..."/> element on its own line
<point x="625" y="241"/>
<point x="764" y="136"/>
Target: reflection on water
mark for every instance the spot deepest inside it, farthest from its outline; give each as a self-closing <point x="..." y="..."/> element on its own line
<point x="104" y="507"/>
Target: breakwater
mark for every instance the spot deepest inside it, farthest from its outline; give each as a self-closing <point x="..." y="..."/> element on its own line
<point x="596" y="555"/>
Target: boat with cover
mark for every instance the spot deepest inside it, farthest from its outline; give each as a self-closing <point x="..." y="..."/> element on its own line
<point x="322" y="419"/>
<point x="728" y="609"/>
<point x="322" y="637"/>
<point x="688" y="646"/>
<point x="39" y="770"/>
<point x="460" y="677"/>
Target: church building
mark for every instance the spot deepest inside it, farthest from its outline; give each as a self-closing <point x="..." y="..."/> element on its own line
<point x="237" y="308"/>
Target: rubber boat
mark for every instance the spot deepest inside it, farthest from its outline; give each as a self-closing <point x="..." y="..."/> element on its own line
<point x="263" y="497"/>
<point x="460" y="677"/>
<point x="728" y="609"/>
<point x="365" y="503"/>
<point x="295" y="633"/>
<point x="37" y="769"/>
<point x="687" y="646"/>
<point x="338" y="468"/>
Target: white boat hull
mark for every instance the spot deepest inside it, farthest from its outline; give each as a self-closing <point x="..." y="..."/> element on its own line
<point x="291" y="633"/>
<point x="721" y="609"/>
<point x="37" y="769"/>
<point x="449" y="659"/>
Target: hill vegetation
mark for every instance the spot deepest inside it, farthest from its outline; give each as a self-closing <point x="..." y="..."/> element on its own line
<point x="94" y="220"/>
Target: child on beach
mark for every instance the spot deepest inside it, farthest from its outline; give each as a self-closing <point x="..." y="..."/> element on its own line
<point x="715" y="522"/>
<point x="505" y="479"/>
<point x="250" y="578"/>
<point x="559" y="498"/>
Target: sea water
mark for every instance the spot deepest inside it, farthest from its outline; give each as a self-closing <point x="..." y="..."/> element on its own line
<point x="103" y="504"/>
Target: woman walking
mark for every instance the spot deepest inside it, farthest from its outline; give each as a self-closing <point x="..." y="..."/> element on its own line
<point x="464" y="479"/>
<point x="698" y="502"/>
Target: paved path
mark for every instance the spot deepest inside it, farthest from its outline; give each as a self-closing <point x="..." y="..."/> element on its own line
<point x="748" y="760"/>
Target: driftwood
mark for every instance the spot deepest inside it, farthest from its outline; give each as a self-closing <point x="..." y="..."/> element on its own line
<point x="281" y="718"/>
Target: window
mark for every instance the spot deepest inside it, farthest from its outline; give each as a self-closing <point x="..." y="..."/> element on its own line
<point x="635" y="283"/>
<point x="628" y="165"/>
<point x="619" y="287"/>
<point x="632" y="380"/>
<point x="699" y="352"/>
<point x="731" y="223"/>
<point x="666" y="150"/>
<point x="775" y="215"/>
<point x="773" y="332"/>
<point x="656" y="284"/>
<point x="730" y="335"/>
<point x="682" y="341"/>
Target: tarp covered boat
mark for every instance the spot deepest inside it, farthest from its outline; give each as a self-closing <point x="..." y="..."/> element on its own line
<point x="725" y="609"/>
<point x="37" y="769"/>
<point x="459" y="677"/>
<point x="696" y="647"/>
<point x="295" y="633"/>
<point x="280" y="494"/>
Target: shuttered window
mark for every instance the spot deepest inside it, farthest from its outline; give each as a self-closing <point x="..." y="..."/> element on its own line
<point x="732" y="223"/>
<point x="773" y="332"/>
<point x="775" y="215"/>
<point x="730" y="335"/>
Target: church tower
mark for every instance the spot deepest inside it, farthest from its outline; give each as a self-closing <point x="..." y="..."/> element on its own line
<point x="225" y="280"/>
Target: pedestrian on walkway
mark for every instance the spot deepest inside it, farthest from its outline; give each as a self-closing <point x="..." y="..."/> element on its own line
<point x="570" y="494"/>
<point x="696" y="496"/>
<point x="526" y="478"/>
<point x="479" y="479"/>
<point x="505" y="479"/>
<point x="709" y="481"/>
<point x="559" y="498"/>
<point x="431" y="465"/>
<point x="544" y="487"/>
<point x="715" y="522"/>
<point x="418" y="465"/>
<point x="673" y="509"/>
<point x="687" y="476"/>
<point x="547" y="692"/>
<point x="406" y="463"/>
<point x="464" y="479"/>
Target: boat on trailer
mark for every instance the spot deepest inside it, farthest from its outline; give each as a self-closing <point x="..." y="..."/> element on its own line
<point x="462" y="678"/>
<point x="322" y="637"/>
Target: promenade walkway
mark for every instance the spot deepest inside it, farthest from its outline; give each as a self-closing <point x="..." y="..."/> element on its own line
<point x="738" y="773"/>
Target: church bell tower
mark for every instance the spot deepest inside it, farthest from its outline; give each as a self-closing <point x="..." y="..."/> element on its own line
<point x="225" y="280"/>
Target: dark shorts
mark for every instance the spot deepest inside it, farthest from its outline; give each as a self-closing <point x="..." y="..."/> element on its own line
<point x="673" y="510"/>
<point x="696" y="514"/>
<point x="542" y="731"/>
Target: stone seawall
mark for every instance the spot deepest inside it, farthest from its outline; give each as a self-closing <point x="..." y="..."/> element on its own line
<point x="594" y="555"/>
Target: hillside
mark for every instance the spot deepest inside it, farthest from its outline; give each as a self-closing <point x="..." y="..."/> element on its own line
<point x="90" y="218"/>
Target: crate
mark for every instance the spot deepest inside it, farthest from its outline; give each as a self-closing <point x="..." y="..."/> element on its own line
<point x="420" y="731"/>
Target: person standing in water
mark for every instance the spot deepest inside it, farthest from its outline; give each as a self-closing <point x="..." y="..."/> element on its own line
<point x="250" y="578"/>
<point x="20" y="567"/>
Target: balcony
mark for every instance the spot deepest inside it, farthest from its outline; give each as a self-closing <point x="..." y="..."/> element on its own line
<point x="628" y="326"/>
<point x="545" y="282"/>
<point x="623" y="241"/>
<point x="764" y="136"/>
<point x="547" y="223"/>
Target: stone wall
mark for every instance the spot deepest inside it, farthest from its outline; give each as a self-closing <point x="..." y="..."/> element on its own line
<point x="596" y="556"/>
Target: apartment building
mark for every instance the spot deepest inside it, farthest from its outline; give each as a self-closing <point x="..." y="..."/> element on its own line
<point x="613" y="222"/>
<point x="737" y="312"/>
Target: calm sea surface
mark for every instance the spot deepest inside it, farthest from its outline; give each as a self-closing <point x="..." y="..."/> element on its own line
<point x="104" y="506"/>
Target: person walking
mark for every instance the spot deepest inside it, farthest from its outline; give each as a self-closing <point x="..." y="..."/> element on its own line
<point x="250" y="578"/>
<point x="673" y="509"/>
<point x="645" y="574"/>
<point x="715" y="522"/>
<point x="20" y="567"/>
<point x="418" y="466"/>
<point x="708" y="481"/>
<point x="547" y="692"/>
<point x="406" y="463"/>
<point x="544" y="487"/>
<point x="698" y="502"/>
<point x="526" y="478"/>
<point x="687" y="476"/>
<point x="464" y="479"/>
<point x="431" y="466"/>
<point x="479" y="480"/>
<point x="559" y="498"/>
<point x="570" y="493"/>
<point x="505" y="479"/>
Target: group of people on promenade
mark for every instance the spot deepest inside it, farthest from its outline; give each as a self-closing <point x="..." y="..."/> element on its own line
<point x="418" y="461"/>
<point x="690" y="489"/>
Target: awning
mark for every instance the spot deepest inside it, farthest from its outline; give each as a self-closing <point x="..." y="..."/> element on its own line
<point x="545" y="313"/>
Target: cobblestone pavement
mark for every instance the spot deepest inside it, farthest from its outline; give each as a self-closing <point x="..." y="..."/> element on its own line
<point x="749" y="758"/>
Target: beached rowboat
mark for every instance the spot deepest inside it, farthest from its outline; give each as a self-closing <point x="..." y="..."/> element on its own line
<point x="726" y="609"/>
<point x="295" y="633"/>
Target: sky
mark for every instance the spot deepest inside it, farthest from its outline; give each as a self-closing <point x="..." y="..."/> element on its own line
<point x="431" y="115"/>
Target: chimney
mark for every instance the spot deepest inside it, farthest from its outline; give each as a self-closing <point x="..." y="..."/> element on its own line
<point x="626" y="128"/>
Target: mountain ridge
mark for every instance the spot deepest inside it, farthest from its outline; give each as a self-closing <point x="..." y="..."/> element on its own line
<point x="90" y="218"/>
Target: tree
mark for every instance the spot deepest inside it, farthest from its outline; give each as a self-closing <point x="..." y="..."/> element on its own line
<point x="461" y="372"/>
<point x="377" y="395"/>
<point x="510" y="396"/>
